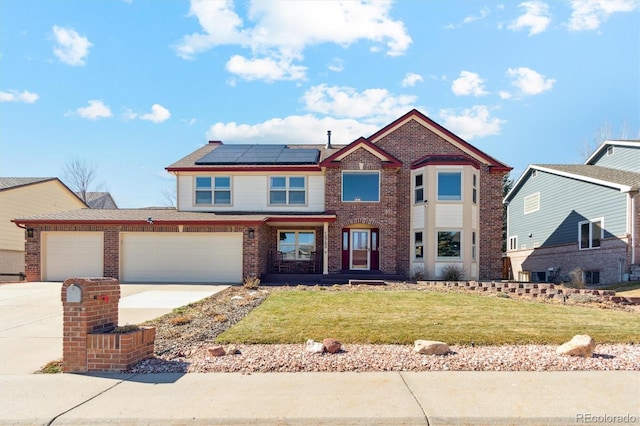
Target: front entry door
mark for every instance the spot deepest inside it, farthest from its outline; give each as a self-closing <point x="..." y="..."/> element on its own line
<point x="360" y="249"/>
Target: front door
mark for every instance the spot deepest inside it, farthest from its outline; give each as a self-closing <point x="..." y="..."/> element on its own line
<point x="360" y="249"/>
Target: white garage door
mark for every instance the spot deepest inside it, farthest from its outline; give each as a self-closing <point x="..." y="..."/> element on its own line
<point x="72" y="254"/>
<point x="181" y="257"/>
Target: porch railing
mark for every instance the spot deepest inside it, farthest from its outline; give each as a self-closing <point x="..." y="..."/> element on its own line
<point x="279" y="264"/>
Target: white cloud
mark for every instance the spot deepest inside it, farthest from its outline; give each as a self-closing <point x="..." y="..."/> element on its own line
<point x="268" y="69"/>
<point x="529" y="82"/>
<point x="336" y="65"/>
<point x="373" y="105"/>
<point x="484" y="12"/>
<point x="469" y="83"/>
<point x="504" y="94"/>
<point x="95" y="110"/>
<point x="158" y="114"/>
<point x="283" y="29"/>
<point x="536" y="18"/>
<point x="589" y="14"/>
<point x="15" y="96"/>
<point x="411" y="79"/>
<point x="71" y="47"/>
<point x="293" y="129"/>
<point x="474" y="122"/>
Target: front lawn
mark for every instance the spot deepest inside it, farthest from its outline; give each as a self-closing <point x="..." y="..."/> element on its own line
<point x="400" y="317"/>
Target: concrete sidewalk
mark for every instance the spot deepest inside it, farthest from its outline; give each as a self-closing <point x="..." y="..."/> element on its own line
<point x="407" y="398"/>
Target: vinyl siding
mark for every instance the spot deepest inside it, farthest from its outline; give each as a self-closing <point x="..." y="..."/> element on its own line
<point x="250" y="192"/>
<point x="623" y="158"/>
<point x="45" y="197"/>
<point x="564" y="203"/>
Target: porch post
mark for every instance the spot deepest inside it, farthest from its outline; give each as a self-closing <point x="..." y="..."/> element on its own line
<point x="325" y="248"/>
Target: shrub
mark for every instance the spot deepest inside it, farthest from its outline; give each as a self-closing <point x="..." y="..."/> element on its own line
<point x="452" y="273"/>
<point x="125" y="329"/>
<point x="181" y="319"/>
<point x="251" y="282"/>
<point x="418" y="273"/>
<point x="575" y="279"/>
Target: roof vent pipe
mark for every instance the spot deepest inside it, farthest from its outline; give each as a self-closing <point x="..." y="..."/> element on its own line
<point x="329" y="139"/>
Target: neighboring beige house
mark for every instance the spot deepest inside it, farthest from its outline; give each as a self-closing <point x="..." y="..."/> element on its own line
<point x="25" y="196"/>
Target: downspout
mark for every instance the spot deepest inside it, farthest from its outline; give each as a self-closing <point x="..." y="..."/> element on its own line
<point x="633" y="227"/>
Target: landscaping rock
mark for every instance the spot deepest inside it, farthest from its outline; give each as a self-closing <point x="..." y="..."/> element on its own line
<point x="314" y="347"/>
<point x="431" y="347"/>
<point x="331" y="345"/>
<point x="580" y="345"/>
<point x="216" y="351"/>
<point x="232" y="350"/>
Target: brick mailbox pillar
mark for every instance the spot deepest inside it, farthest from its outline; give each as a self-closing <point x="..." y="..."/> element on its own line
<point x="90" y="314"/>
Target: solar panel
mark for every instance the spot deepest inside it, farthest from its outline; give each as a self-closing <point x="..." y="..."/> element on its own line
<point x="259" y="154"/>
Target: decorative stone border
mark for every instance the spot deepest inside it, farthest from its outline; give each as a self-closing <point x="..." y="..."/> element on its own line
<point x="536" y="290"/>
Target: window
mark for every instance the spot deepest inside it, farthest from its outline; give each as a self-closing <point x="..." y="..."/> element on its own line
<point x="474" y="195"/>
<point x="610" y="150"/>
<point x="449" y="186"/>
<point x="539" y="277"/>
<point x="513" y="243"/>
<point x="591" y="277"/>
<point x="419" y="247"/>
<point x="473" y="245"/>
<point x="287" y="190"/>
<point x="361" y="186"/>
<point x="589" y="234"/>
<point x="449" y="244"/>
<point x="296" y="245"/>
<point x="219" y="193"/>
<point x="418" y="189"/>
<point x="532" y="203"/>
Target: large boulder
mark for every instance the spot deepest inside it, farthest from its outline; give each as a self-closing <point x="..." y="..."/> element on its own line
<point x="580" y="345"/>
<point x="331" y="345"/>
<point x="216" y="351"/>
<point x="314" y="347"/>
<point x="431" y="347"/>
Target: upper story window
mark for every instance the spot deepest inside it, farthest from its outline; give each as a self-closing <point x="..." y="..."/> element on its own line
<point x="474" y="194"/>
<point x="418" y="191"/>
<point x="361" y="186"/>
<point x="287" y="190"/>
<point x="513" y="243"/>
<point x="296" y="245"/>
<point x="449" y="186"/>
<point x="589" y="234"/>
<point x="532" y="203"/>
<point x="213" y="191"/>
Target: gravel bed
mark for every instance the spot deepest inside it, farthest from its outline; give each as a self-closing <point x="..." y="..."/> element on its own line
<point x="184" y="349"/>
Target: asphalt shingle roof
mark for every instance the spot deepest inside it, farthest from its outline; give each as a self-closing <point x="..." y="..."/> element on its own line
<point x="15" y="182"/>
<point x="606" y="174"/>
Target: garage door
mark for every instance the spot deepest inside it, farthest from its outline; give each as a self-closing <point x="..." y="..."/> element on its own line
<point x="72" y="254"/>
<point x="181" y="257"/>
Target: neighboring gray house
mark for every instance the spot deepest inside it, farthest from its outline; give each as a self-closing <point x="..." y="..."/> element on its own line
<point x="582" y="219"/>
<point x="100" y="200"/>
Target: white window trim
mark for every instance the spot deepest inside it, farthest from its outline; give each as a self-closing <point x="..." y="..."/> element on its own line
<point x="297" y="243"/>
<point x="537" y="208"/>
<point x="355" y="172"/>
<point x="590" y="222"/>
<point x="416" y="187"/>
<point x="461" y="172"/>
<point x="286" y="189"/>
<point x="415" y="257"/>
<point x="212" y="190"/>
<point x="445" y="258"/>
<point x="513" y="243"/>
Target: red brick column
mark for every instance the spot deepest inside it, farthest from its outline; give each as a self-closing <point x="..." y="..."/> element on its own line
<point x="89" y="305"/>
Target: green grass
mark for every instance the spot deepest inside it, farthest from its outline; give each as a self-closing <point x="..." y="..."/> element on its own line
<point x="400" y="317"/>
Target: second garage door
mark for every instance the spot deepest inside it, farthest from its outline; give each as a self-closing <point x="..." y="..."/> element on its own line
<point x="181" y="257"/>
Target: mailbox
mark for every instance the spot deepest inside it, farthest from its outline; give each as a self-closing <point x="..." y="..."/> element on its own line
<point x="74" y="294"/>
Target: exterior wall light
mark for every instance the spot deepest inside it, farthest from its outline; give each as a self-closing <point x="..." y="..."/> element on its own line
<point x="29" y="232"/>
<point x="251" y="233"/>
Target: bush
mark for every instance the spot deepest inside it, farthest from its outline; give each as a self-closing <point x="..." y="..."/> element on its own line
<point x="125" y="329"/>
<point x="251" y="282"/>
<point x="418" y="273"/>
<point x="452" y="273"/>
<point x="181" y="319"/>
<point x="575" y="279"/>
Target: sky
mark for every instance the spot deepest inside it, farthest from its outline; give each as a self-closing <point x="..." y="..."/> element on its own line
<point x="131" y="86"/>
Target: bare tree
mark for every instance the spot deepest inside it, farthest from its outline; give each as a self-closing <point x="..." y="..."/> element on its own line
<point x="169" y="194"/>
<point x="602" y="134"/>
<point x="79" y="175"/>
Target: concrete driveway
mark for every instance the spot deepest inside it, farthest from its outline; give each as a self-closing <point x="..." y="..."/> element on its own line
<point x="31" y="317"/>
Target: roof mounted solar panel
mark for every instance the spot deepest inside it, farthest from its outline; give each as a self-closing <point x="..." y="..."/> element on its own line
<point x="260" y="154"/>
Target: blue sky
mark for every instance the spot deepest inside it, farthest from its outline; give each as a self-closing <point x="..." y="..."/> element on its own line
<point x="132" y="86"/>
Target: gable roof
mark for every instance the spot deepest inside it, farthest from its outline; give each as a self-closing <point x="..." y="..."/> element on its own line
<point x="450" y="137"/>
<point x="387" y="159"/>
<point x="16" y="182"/>
<point x="100" y="200"/>
<point x="606" y="144"/>
<point x="622" y="180"/>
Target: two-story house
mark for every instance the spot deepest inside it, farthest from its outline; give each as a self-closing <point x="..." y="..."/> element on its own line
<point x="408" y="200"/>
<point x="579" y="221"/>
<point x="26" y="196"/>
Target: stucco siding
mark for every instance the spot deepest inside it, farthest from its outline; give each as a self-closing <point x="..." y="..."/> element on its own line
<point x="563" y="204"/>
